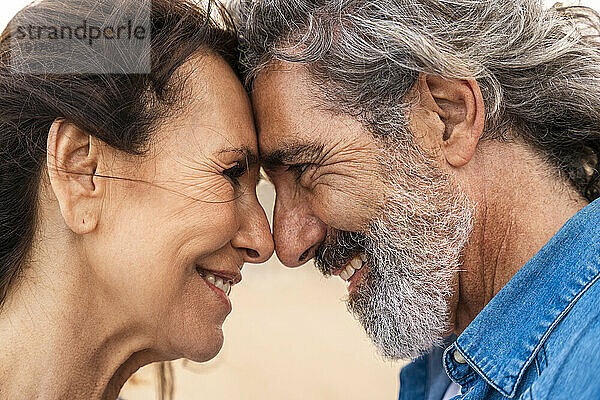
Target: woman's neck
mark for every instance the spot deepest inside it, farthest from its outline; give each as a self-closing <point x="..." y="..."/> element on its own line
<point x="60" y="340"/>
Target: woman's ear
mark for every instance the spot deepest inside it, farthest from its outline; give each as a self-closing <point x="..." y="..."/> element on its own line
<point x="459" y="106"/>
<point x="72" y="160"/>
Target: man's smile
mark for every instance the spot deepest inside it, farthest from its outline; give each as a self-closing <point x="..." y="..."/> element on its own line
<point x="353" y="271"/>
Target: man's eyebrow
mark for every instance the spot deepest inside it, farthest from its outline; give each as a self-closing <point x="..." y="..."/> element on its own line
<point x="250" y="156"/>
<point x="291" y="154"/>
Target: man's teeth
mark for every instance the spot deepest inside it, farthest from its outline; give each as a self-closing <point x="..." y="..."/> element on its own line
<point x="217" y="281"/>
<point x="354" y="265"/>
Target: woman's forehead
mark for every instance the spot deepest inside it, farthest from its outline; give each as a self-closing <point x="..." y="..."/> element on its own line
<point x="216" y="115"/>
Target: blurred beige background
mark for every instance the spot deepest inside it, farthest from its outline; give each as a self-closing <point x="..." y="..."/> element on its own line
<point x="288" y="337"/>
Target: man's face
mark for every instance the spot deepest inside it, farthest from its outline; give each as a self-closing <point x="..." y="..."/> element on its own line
<point x="384" y="217"/>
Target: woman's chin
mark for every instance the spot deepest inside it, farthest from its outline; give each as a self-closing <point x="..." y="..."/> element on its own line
<point x="202" y="348"/>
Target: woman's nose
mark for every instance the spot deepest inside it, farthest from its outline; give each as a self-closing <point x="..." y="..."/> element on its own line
<point x="254" y="238"/>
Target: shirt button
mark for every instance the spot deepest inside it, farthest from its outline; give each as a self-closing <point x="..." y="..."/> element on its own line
<point x="458" y="357"/>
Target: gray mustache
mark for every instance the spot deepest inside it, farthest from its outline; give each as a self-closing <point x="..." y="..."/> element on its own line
<point x="338" y="248"/>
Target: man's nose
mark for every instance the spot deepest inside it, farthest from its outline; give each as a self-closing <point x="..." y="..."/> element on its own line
<point x="297" y="232"/>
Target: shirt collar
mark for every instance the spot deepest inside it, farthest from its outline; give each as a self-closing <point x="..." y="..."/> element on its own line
<point x="504" y="338"/>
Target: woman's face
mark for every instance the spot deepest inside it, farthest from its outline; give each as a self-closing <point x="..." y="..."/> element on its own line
<point x="158" y="243"/>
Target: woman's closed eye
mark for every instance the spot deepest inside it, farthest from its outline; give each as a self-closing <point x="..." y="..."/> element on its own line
<point x="234" y="173"/>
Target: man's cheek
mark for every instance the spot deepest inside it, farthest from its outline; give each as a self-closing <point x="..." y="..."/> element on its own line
<point x="345" y="210"/>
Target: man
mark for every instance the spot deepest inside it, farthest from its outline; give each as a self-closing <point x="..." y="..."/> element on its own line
<point x="442" y="157"/>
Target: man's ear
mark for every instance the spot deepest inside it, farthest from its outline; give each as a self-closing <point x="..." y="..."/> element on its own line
<point x="72" y="159"/>
<point x="459" y="105"/>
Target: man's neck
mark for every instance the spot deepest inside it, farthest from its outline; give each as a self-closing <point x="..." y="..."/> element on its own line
<point x="520" y="206"/>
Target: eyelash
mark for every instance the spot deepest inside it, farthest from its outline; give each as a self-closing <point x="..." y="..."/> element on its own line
<point x="235" y="172"/>
<point x="298" y="169"/>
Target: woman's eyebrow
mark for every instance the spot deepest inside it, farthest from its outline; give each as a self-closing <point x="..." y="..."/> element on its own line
<point x="292" y="154"/>
<point x="250" y="156"/>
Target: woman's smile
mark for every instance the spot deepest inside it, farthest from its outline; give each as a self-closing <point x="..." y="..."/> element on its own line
<point x="221" y="281"/>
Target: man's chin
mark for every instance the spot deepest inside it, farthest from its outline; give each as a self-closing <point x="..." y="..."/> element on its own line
<point x="396" y="345"/>
<point x="398" y="329"/>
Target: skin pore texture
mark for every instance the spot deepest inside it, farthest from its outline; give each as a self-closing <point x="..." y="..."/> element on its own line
<point x="112" y="283"/>
<point x="443" y="223"/>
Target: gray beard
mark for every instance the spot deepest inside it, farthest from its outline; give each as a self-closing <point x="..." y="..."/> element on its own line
<point x="413" y="252"/>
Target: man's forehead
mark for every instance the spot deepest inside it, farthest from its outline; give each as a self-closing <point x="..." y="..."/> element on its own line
<point x="293" y="124"/>
<point x="286" y="115"/>
<point x="283" y="92"/>
<point x="281" y="74"/>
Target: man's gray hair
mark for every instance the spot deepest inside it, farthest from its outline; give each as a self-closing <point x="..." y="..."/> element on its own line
<point x="538" y="68"/>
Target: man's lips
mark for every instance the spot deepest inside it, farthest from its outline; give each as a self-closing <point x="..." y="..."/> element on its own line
<point x="338" y="249"/>
<point x="356" y="279"/>
<point x="352" y="269"/>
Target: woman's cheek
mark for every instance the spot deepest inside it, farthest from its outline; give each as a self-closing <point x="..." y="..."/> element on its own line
<point x="225" y="219"/>
<point x="212" y="207"/>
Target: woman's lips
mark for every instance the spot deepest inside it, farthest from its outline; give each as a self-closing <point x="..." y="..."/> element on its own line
<point x="219" y="284"/>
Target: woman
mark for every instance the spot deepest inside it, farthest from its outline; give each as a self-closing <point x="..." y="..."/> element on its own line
<point x="127" y="205"/>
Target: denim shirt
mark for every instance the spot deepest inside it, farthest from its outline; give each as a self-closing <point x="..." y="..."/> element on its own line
<point x="425" y="378"/>
<point x="539" y="337"/>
